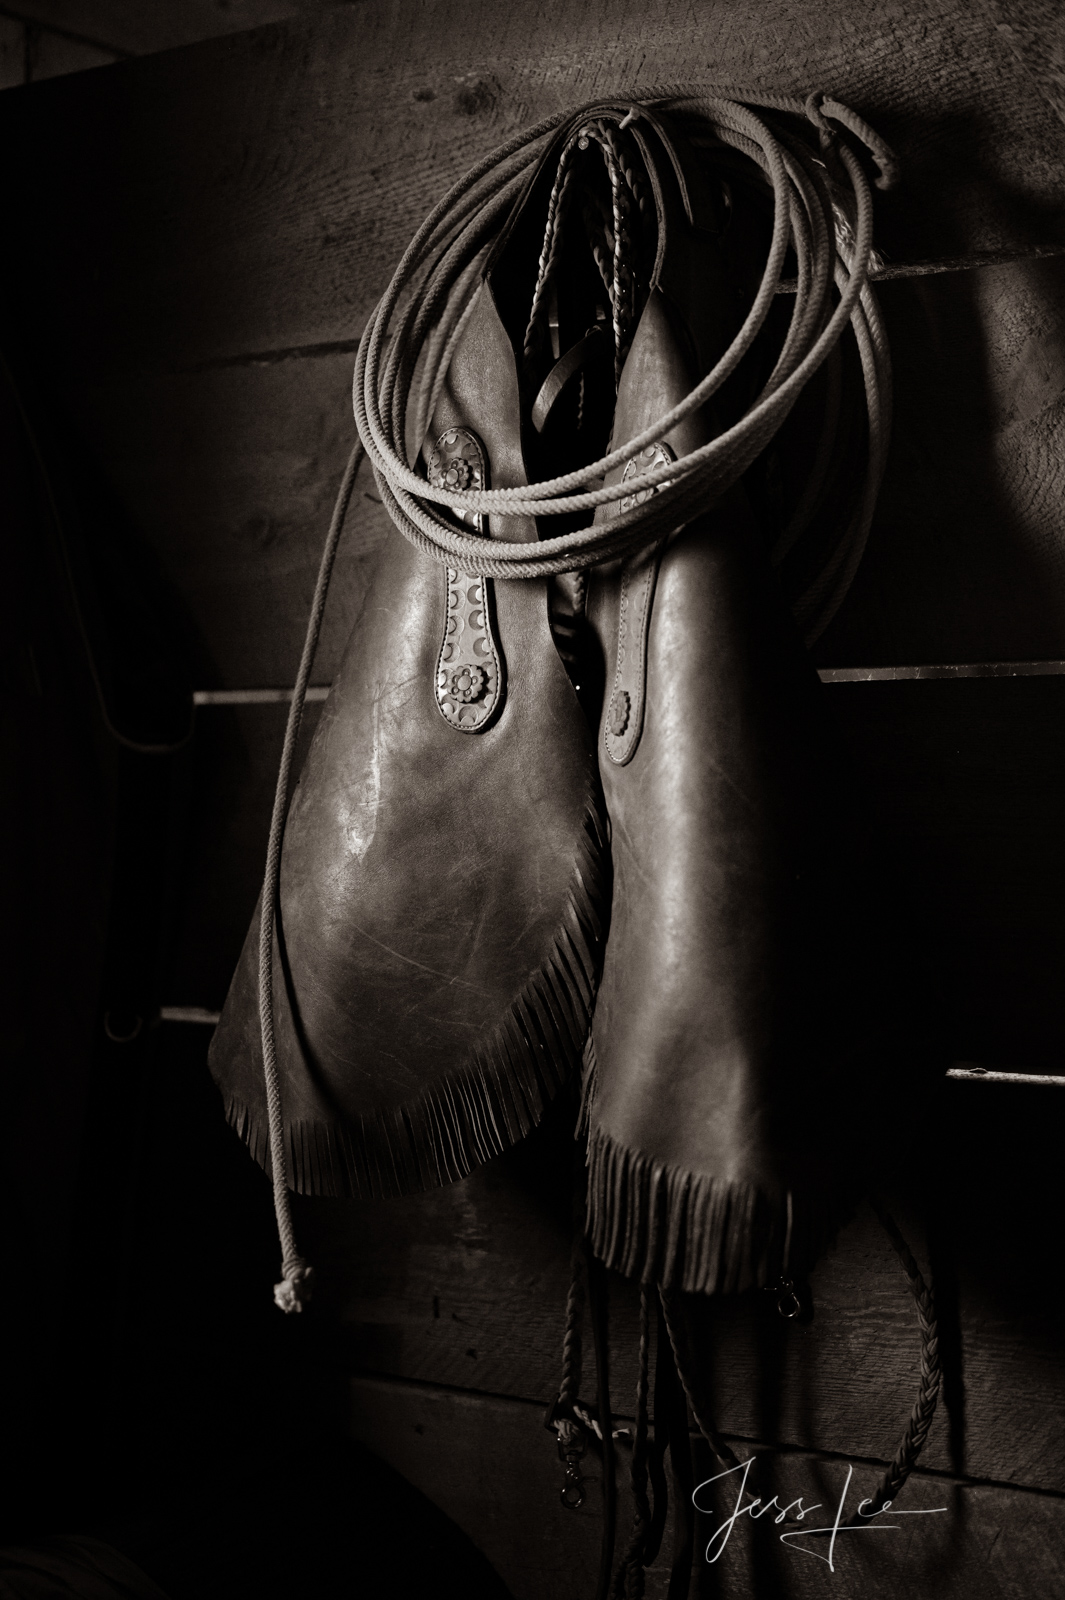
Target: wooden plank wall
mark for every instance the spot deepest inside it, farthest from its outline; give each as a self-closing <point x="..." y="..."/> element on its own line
<point x="42" y="39"/>
<point x="204" y="234"/>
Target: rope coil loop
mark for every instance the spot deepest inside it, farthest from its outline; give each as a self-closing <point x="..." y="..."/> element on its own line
<point x="414" y="329"/>
<point x="437" y="265"/>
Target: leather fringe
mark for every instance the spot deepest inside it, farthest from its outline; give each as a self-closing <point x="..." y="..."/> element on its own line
<point x="660" y="1224"/>
<point x="490" y="1102"/>
<point x="589" y="1087"/>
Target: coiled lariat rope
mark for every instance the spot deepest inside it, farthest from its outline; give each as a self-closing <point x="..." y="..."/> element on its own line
<point x="823" y="214"/>
<point x="832" y="250"/>
<point x="416" y="327"/>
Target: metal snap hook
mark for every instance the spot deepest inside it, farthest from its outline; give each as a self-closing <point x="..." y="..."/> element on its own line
<point x="572" y="1492"/>
<point x="789" y="1304"/>
<point x="789" y="1299"/>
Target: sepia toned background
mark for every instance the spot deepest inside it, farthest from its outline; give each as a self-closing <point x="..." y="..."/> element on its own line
<point x="201" y="212"/>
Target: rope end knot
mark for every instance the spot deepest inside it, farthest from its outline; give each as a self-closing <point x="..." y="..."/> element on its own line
<point x="296" y="1287"/>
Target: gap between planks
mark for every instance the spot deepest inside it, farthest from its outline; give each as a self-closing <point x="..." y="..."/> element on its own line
<point x="889" y="272"/>
<point x="893" y="270"/>
<point x="440" y="1391"/>
<point x="967" y="1071"/>
<point x="948" y="671"/>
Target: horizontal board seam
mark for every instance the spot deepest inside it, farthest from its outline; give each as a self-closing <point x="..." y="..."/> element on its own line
<point x="271" y="358"/>
<point x="945" y="672"/>
<point x="884" y="274"/>
<point x="940" y="1474"/>
<point x="928" y="268"/>
<point x="966" y="1071"/>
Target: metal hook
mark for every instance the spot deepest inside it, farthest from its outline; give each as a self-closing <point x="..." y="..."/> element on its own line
<point x="571" y="1447"/>
<point x="789" y="1299"/>
<point x="789" y="1304"/>
<point x="572" y="1492"/>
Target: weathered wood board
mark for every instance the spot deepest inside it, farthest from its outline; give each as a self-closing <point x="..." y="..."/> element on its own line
<point x="218" y="224"/>
<point x="259" y="189"/>
<point x="466" y="1288"/>
<point x="966" y="559"/>
<point x="437" y="1320"/>
<point x="953" y="1540"/>
<point x="245" y="200"/>
<point x="232" y="473"/>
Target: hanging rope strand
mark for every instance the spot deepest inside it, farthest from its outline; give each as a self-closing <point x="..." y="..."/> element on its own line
<point x="675" y="1315"/>
<point x="436" y="281"/>
<point x="924" y="1408"/>
<point x="297" y="1277"/>
<point x="629" y="1578"/>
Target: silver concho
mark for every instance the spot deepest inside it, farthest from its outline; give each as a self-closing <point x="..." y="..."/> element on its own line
<point x="650" y="457"/>
<point x="469" y="669"/>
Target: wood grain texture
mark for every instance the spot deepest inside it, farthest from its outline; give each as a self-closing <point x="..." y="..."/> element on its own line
<point x="251" y="197"/>
<point x="967" y="553"/>
<point x="231" y="472"/>
<point x="492" y="1466"/>
<point x="1035" y="32"/>
<point x="466" y="1287"/>
<point x="488" y="1463"/>
<point x="254" y="193"/>
<point x="231" y="475"/>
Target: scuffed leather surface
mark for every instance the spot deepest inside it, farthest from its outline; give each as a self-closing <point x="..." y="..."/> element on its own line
<point x="726" y="1030"/>
<point x="426" y="875"/>
<point x="719" y="1028"/>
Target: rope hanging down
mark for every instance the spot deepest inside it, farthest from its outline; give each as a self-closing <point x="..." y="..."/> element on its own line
<point x="574" y="1425"/>
<point x="414" y="329"/>
<point x="297" y="1277"/>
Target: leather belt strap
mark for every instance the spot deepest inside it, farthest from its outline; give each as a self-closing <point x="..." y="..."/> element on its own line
<point x="624" y="718"/>
<point x="560" y="374"/>
<point x="639" y="573"/>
